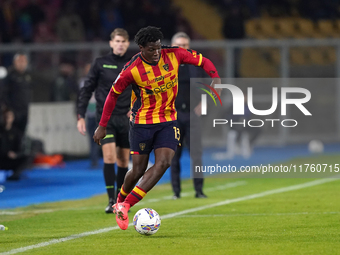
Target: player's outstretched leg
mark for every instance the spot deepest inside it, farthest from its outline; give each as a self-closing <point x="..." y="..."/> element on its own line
<point x="163" y="157"/>
<point x="123" y="158"/>
<point x="121" y="208"/>
<point x="139" y="165"/>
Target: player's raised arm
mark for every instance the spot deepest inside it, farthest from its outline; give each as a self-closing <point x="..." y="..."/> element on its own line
<point x="194" y="58"/>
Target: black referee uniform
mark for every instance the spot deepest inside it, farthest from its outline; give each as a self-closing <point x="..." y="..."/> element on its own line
<point x="103" y="73"/>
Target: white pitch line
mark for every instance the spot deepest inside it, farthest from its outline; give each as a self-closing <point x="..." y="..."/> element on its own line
<point x="60" y="240"/>
<point x="48" y="210"/>
<point x="172" y="215"/>
<point x="146" y="201"/>
<point x="249" y="197"/>
<point x="256" y="214"/>
<point x="187" y="194"/>
<point x="9" y="213"/>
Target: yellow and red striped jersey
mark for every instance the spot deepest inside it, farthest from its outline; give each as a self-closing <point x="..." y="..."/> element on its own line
<point x="155" y="86"/>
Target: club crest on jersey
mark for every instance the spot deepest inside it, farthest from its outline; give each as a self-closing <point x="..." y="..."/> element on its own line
<point x="142" y="146"/>
<point x="166" y="67"/>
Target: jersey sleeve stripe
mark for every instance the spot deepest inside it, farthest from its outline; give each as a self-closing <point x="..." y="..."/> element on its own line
<point x="200" y="60"/>
<point x="115" y="91"/>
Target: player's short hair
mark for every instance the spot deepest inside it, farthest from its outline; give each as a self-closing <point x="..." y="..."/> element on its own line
<point x="148" y="34"/>
<point x="121" y="32"/>
<point x="180" y="35"/>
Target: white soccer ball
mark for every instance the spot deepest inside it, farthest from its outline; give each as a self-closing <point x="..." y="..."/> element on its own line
<point x="315" y="146"/>
<point x="3" y="72"/>
<point x="146" y="221"/>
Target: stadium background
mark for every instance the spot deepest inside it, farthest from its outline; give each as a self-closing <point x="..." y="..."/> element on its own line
<point x="244" y="39"/>
<point x="248" y="39"/>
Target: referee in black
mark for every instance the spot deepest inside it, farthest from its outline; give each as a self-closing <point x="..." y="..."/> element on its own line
<point x="115" y="145"/>
<point x="188" y="112"/>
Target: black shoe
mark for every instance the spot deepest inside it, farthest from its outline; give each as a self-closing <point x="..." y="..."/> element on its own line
<point x="200" y="195"/>
<point x="174" y="197"/>
<point x="14" y="177"/>
<point x="109" y="208"/>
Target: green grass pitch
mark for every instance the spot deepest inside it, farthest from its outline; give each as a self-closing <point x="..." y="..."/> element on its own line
<point x="240" y="216"/>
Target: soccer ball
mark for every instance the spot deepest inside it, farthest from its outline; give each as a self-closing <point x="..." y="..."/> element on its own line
<point x="146" y="221"/>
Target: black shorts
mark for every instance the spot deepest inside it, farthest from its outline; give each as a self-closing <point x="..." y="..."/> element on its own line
<point x="145" y="137"/>
<point x="117" y="131"/>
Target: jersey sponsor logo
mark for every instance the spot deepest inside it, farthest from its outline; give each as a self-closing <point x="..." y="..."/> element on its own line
<point x="158" y="79"/>
<point x="110" y="66"/>
<point x="146" y="73"/>
<point x="163" y="88"/>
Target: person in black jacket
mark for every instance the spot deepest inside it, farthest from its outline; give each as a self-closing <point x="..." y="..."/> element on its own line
<point x="115" y="145"/>
<point x="16" y="90"/>
<point x="11" y="153"/>
<point x="188" y="112"/>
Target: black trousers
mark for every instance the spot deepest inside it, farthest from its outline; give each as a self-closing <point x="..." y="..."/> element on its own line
<point x="20" y="122"/>
<point x="17" y="165"/>
<point x="195" y="149"/>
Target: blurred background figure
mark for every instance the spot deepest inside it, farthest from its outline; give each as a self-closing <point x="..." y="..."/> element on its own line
<point x="91" y="122"/>
<point x="12" y="155"/>
<point x="110" y="18"/>
<point x="234" y="29"/>
<point x="240" y="137"/>
<point x="16" y="91"/>
<point x="69" y="26"/>
<point x="65" y="87"/>
<point x="188" y="108"/>
<point x="29" y="17"/>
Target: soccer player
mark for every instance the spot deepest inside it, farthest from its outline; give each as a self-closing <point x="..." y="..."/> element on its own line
<point x="115" y="145"/>
<point x="153" y="75"/>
